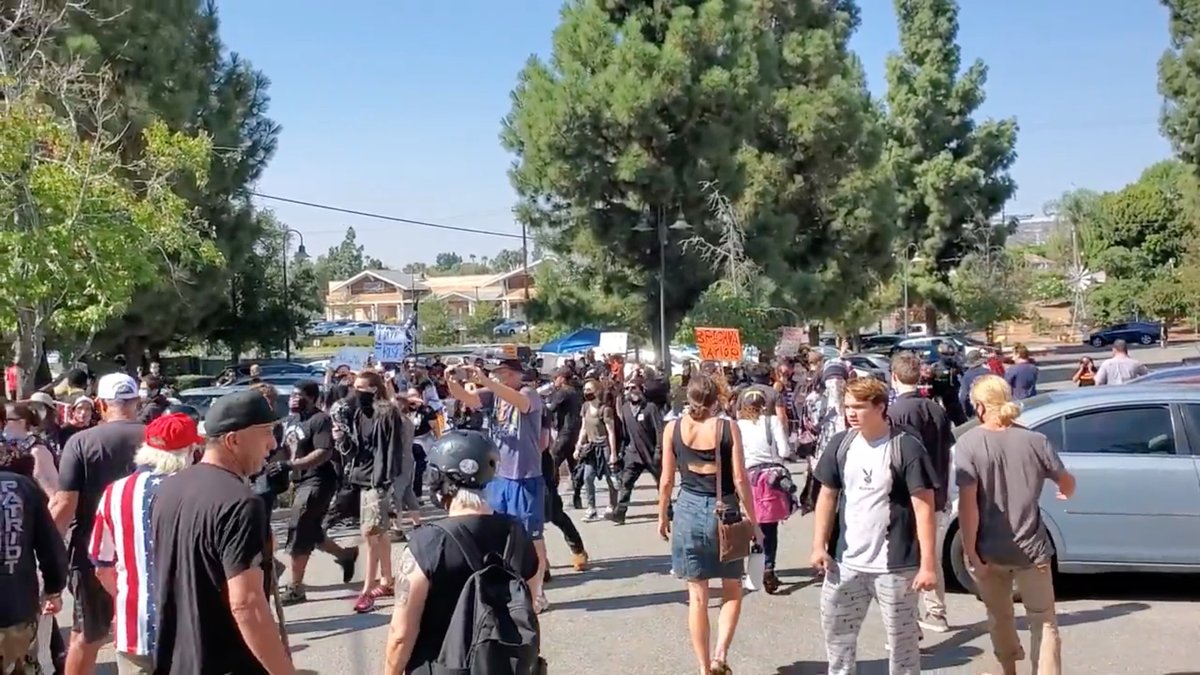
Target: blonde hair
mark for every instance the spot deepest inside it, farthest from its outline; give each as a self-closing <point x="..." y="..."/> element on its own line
<point x="752" y="405"/>
<point x="994" y="395"/>
<point x="161" y="461"/>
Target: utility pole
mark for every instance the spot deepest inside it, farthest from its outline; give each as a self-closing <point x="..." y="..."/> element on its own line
<point x="525" y="273"/>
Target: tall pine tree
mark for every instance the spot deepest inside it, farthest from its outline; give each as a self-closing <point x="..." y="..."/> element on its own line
<point x="1179" y="81"/>
<point x="643" y="104"/>
<point x="952" y="171"/>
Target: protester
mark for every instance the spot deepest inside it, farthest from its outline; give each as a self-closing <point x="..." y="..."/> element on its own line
<point x="122" y="548"/>
<point x="407" y="465"/>
<point x="1121" y="368"/>
<point x="947" y="380"/>
<point x="598" y="445"/>
<point x="1085" y="375"/>
<point x="519" y="489"/>
<point x="20" y="428"/>
<point x="211" y="552"/>
<point x="33" y="557"/>
<point x="555" y="514"/>
<point x="706" y="450"/>
<point x="566" y="410"/>
<point x="1000" y="469"/>
<point x="763" y="441"/>
<point x="641" y="437"/>
<point x="90" y="462"/>
<point x="885" y="547"/>
<point x="760" y="381"/>
<point x="926" y="421"/>
<point x="442" y="558"/>
<point x="1022" y="375"/>
<point x="81" y="415"/>
<point x="12" y="380"/>
<point x="375" y="437"/>
<point x="308" y="436"/>
<point x="977" y="366"/>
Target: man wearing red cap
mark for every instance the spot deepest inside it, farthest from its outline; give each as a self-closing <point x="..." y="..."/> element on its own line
<point x="122" y="547"/>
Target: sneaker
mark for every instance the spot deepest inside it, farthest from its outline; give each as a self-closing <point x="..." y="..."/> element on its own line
<point x="590" y="516"/>
<point x="579" y="561"/>
<point x="364" y="604"/>
<point x="292" y="595"/>
<point x="347" y="564"/>
<point x="934" y="623"/>
<point x="770" y="582"/>
<point x="608" y="512"/>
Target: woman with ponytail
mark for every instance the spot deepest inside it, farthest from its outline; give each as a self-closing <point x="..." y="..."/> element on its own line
<point x="706" y="449"/>
<point x="1000" y="468"/>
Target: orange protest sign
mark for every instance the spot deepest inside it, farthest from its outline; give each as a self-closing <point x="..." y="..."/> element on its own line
<point x="510" y="351"/>
<point x="719" y="344"/>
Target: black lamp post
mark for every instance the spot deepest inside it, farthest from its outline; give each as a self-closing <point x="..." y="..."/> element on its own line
<point x="663" y="233"/>
<point x="301" y="255"/>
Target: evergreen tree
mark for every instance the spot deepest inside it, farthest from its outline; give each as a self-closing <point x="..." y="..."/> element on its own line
<point x="641" y="105"/>
<point x="952" y="172"/>
<point x="1179" y="81"/>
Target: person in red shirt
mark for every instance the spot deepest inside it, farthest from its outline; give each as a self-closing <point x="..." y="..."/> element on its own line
<point x="995" y="362"/>
<point x="12" y="381"/>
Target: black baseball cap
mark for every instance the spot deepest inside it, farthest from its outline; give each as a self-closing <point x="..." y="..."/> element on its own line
<point x="238" y="411"/>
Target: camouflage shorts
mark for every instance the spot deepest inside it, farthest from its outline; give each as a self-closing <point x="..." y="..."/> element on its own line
<point x="16" y="649"/>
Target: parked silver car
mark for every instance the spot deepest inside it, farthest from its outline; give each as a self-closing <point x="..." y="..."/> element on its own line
<point x="1135" y="452"/>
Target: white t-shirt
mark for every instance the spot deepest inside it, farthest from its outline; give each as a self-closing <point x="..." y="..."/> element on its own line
<point x="755" y="444"/>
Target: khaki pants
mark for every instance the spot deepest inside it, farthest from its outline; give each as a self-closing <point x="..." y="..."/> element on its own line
<point x="1037" y="594"/>
<point x="132" y="664"/>
<point x="15" y="643"/>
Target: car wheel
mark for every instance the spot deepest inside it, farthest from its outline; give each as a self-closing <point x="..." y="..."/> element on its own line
<point x="958" y="565"/>
<point x="1146" y="339"/>
<point x="1097" y="342"/>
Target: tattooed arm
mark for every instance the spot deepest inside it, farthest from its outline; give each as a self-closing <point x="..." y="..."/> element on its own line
<point x="412" y="588"/>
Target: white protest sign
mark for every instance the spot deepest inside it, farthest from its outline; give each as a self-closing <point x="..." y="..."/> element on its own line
<point x="355" y="358"/>
<point x="790" y="340"/>
<point x="391" y="343"/>
<point x="613" y="343"/>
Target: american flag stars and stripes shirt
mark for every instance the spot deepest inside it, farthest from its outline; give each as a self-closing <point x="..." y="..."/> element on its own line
<point x="122" y="539"/>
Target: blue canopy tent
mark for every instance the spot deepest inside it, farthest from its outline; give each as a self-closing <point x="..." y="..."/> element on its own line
<point x="577" y="341"/>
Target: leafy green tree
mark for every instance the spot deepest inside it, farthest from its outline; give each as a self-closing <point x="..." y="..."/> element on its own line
<point x="576" y="291"/>
<point x="479" y="325"/>
<point x="415" y="268"/>
<point x="446" y="262"/>
<point x="82" y="235"/>
<point x="641" y="105"/>
<point x="952" y="171"/>
<point x="506" y="260"/>
<point x="1048" y="286"/>
<point x="723" y="306"/>
<point x="345" y="260"/>
<point x="435" y="325"/>
<point x="989" y="289"/>
<point x="1178" y="73"/>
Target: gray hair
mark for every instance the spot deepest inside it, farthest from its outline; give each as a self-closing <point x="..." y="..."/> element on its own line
<point x="465" y="498"/>
<point x="161" y="461"/>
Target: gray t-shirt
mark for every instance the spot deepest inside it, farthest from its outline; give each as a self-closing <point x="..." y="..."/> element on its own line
<point x="1009" y="467"/>
<point x="517" y="436"/>
<point x="1119" y="370"/>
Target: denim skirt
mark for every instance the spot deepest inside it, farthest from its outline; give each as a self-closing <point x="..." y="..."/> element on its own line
<point x="695" y="549"/>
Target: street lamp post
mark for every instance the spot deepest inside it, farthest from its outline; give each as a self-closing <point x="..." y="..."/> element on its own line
<point x="662" y="230"/>
<point x="908" y="260"/>
<point x="301" y="255"/>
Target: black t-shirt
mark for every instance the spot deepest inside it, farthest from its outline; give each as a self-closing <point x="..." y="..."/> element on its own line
<point x="304" y="434"/>
<point x="208" y="527"/>
<point x="30" y="543"/>
<point x="443" y="563"/>
<point x="566" y="405"/>
<point x="91" y="460"/>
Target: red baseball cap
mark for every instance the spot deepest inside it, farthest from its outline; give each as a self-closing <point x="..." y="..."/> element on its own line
<point x="172" y="433"/>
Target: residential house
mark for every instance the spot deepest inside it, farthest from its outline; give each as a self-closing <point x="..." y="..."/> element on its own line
<point x="388" y="296"/>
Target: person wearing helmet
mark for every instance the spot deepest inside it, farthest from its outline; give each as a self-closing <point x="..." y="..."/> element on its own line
<point x="461" y="464"/>
<point x="947" y="378"/>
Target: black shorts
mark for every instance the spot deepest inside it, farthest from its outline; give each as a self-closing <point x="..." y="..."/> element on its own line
<point x="306" y="528"/>
<point x="93" y="611"/>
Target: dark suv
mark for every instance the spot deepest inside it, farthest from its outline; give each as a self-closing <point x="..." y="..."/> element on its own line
<point x="1141" y="332"/>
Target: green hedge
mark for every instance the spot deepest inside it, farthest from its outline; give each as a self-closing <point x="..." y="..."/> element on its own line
<point x="342" y="341"/>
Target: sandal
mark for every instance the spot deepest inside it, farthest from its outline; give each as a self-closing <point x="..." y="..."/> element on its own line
<point x="719" y="668"/>
<point x="364" y="604"/>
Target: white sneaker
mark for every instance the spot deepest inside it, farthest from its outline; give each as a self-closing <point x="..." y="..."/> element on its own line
<point x="590" y="516"/>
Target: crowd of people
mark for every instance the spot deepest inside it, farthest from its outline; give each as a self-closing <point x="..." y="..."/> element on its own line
<point x="158" y="524"/>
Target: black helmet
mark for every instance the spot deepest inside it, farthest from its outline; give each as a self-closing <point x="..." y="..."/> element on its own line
<point x="188" y="410"/>
<point x="465" y="458"/>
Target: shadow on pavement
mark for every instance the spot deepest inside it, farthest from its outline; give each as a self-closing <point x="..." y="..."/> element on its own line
<point x="791" y="584"/>
<point x="337" y="626"/>
<point x="612" y="568"/>
<point x="677" y="597"/>
<point x="1164" y="587"/>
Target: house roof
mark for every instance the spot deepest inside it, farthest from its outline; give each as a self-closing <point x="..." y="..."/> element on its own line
<point x="400" y="280"/>
<point x="495" y="279"/>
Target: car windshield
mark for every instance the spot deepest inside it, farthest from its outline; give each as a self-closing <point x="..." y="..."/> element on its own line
<point x="1026" y="405"/>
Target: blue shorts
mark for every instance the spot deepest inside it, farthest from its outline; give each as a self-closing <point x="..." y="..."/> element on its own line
<point x="521" y="498"/>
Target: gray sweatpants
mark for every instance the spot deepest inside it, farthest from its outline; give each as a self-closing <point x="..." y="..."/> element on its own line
<point x="845" y="597"/>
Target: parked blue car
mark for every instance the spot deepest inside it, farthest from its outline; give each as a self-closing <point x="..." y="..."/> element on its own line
<point x="1140" y="332"/>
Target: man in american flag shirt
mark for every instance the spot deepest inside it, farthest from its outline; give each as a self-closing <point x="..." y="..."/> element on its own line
<point x="121" y="546"/>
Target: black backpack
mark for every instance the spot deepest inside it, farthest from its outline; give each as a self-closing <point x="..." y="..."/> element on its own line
<point x="494" y="629"/>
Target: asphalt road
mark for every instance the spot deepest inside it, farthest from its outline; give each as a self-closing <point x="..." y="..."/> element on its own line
<point x="629" y="612"/>
<point x="1057" y="367"/>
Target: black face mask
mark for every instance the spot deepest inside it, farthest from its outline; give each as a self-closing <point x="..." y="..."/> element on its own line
<point x="366" y="399"/>
<point x="589" y="396"/>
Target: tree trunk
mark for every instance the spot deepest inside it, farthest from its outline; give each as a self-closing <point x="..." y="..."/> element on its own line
<point x="134" y="348"/>
<point x="28" y="347"/>
<point x="931" y="318"/>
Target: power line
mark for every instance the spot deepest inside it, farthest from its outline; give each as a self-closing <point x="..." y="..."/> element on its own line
<point x="380" y="216"/>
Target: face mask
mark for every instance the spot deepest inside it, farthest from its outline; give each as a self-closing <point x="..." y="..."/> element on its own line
<point x="589" y="396"/>
<point x="366" y="399"/>
<point x="15" y="434"/>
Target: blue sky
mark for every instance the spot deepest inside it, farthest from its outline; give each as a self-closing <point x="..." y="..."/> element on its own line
<point x="394" y="106"/>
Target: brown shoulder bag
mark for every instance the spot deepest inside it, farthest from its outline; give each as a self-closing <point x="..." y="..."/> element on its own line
<point x="734" y="539"/>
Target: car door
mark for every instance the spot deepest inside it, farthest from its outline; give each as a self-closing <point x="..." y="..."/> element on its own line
<point x="1137" y="499"/>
